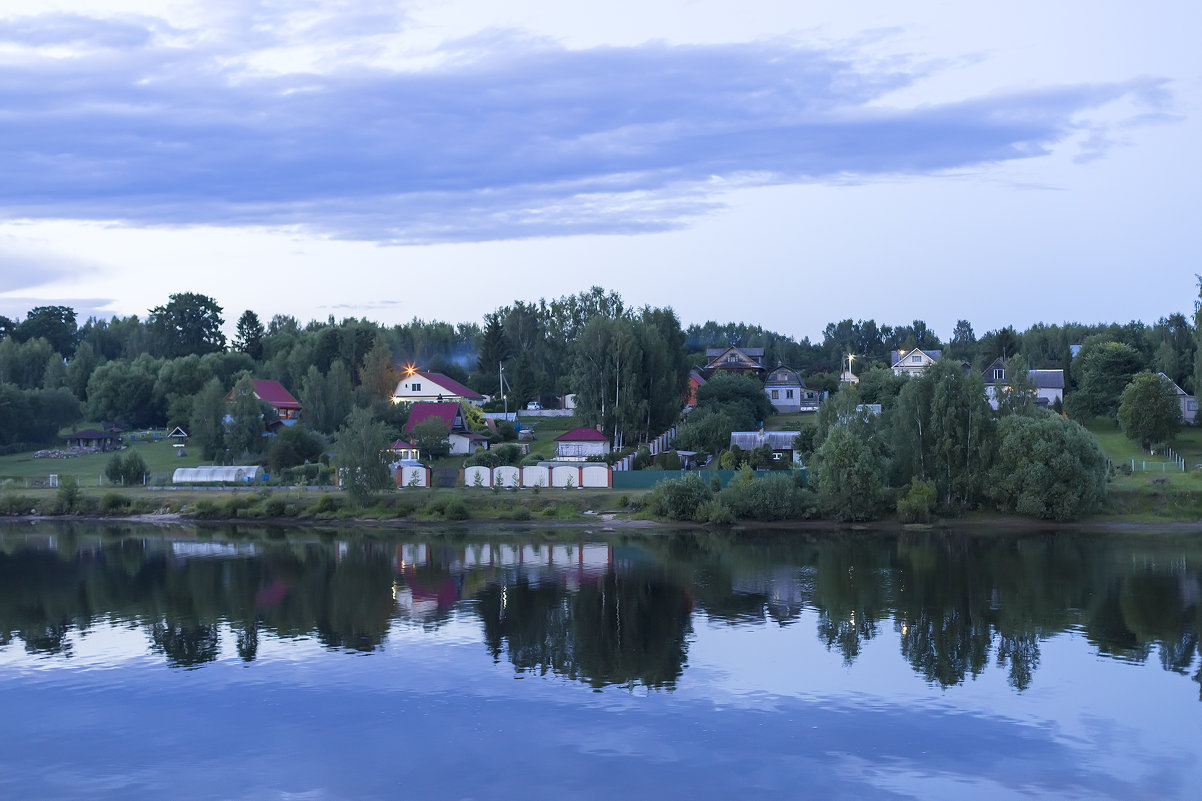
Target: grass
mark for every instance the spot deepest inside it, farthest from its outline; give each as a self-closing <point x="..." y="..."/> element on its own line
<point x="1171" y="495"/>
<point x="160" y="458"/>
<point x="791" y="422"/>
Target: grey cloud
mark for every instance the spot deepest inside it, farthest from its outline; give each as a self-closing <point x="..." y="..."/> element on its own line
<point x="73" y="29"/>
<point x="510" y="138"/>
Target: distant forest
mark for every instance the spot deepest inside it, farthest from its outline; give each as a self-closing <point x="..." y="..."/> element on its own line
<point x="628" y="366"/>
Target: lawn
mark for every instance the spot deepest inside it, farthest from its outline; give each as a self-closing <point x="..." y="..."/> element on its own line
<point x="1187" y="442"/>
<point x="791" y="422"/>
<point x="159" y="455"/>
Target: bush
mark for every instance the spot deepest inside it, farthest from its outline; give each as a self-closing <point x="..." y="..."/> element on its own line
<point x="327" y="503"/>
<point x="113" y="503"/>
<point x="455" y="509"/>
<point x="684" y="498"/>
<point x="718" y="514"/>
<point x="13" y="504"/>
<point x="670" y="460"/>
<point x="127" y="468"/>
<point x="917" y="504"/>
<point x="68" y="495"/>
<point x="772" y="497"/>
<point x="522" y="513"/>
<point x="1047" y="467"/>
<point x="205" y="510"/>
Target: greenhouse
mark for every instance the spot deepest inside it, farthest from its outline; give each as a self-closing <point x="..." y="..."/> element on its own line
<point x="216" y="475"/>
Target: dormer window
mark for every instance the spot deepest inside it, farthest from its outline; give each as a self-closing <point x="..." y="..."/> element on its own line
<point x="916" y="359"/>
<point x="999" y="374"/>
<point x="417" y="387"/>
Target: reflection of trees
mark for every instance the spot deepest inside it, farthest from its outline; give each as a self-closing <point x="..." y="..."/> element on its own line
<point x="626" y="628"/>
<point x="186" y="644"/>
<point x="293" y="590"/>
<point x="957" y="603"/>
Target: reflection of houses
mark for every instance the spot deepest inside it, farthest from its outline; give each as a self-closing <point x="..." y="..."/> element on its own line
<point x="785" y="590"/>
<point x="788" y="393"/>
<point x="581" y="443"/>
<point x="462" y="441"/>
<point x="1187" y="403"/>
<point x="287" y="408"/>
<point x="913" y="362"/>
<point x="418" y="387"/>
<point x="749" y="361"/>
<point x="781" y="443"/>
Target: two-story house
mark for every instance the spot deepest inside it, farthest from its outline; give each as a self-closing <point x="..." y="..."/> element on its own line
<point x="787" y="391"/>
<point x="913" y="362"/>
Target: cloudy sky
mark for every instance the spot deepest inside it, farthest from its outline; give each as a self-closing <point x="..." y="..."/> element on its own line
<point x="783" y="162"/>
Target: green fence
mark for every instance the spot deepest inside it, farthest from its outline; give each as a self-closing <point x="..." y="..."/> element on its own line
<point x="646" y="479"/>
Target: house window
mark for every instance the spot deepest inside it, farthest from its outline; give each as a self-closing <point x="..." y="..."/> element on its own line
<point x="916" y="359"/>
<point x="788" y="393"/>
<point x="999" y="374"/>
<point x="417" y="387"/>
<point x="1191" y="406"/>
<point x="731" y="358"/>
<point x="775" y="394"/>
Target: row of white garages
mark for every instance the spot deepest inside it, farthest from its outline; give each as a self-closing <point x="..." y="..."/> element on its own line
<point x="593" y="476"/>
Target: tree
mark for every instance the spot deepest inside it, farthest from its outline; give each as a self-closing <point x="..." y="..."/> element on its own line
<point x="963" y="343"/>
<point x="55" y="324"/>
<point x="187" y="323"/>
<point x="244" y="432"/>
<point x="326" y="399"/>
<point x="362" y="444"/>
<point x="249" y="335"/>
<point x="1017" y="396"/>
<point x="1047" y="467"/>
<point x="376" y="373"/>
<point x="124" y="391"/>
<point x="494" y="349"/>
<point x="126" y="468"/>
<point x="1148" y="409"/>
<point x="849" y="474"/>
<point x="207" y="427"/>
<point x="431" y="436"/>
<point x="1103" y="369"/>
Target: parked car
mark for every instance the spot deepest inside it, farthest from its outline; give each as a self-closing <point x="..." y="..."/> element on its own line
<point x="534" y="406"/>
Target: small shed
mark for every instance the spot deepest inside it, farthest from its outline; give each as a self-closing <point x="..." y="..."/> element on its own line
<point x="579" y="444"/>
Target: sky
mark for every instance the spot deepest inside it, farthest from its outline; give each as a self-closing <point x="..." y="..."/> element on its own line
<point x="786" y="163"/>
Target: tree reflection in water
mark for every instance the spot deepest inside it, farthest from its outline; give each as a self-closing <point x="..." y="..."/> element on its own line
<point x="615" y="614"/>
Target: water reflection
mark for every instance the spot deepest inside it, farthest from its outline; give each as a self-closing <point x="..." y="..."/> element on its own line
<point x="610" y="612"/>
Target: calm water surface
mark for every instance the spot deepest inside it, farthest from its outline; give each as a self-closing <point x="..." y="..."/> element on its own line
<point x="221" y="663"/>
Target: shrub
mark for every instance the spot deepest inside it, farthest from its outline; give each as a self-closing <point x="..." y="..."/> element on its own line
<point x="522" y="513"/>
<point x="773" y="497"/>
<point x="68" y="495"/>
<point x="718" y="514"/>
<point x="275" y="507"/>
<point x="715" y="484"/>
<point x="682" y="498"/>
<point x="670" y="460"/>
<point x="126" y="468"/>
<point x="13" y="504"/>
<point x="1047" y="467"/>
<point x="917" y="504"/>
<point x="327" y="503"/>
<point x="113" y="503"/>
<point x="205" y="510"/>
<point x="455" y="509"/>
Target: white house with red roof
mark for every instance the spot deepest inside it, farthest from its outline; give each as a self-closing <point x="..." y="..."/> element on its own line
<point x="287" y="408"/>
<point x="462" y="441"/>
<point x="419" y="387"/>
<point x="579" y="444"/>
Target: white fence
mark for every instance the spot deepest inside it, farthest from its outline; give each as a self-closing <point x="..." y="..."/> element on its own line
<point x="656" y="446"/>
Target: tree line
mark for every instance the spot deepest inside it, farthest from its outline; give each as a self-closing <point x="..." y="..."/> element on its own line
<point x="627" y="366"/>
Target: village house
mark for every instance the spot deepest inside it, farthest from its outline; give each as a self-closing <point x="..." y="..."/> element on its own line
<point x="696" y="382"/>
<point x="1048" y="385"/>
<point x="781" y="443"/>
<point x="913" y="362"/>
<point x="462" y="441"/>
<point x="747" y="361"/>
<point x="579" y="444"/>
<point x="419" y="387"/>
<point x="286" y="407"/>
<point x="788" y="393"/>
<point x="1186" y="401"/>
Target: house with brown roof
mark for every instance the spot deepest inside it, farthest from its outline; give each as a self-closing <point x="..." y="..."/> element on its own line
<point x="418" y="387"/>
<point x="287" y="408"/>
<point x="748" y="361"/>
<point x="579" y="444"/>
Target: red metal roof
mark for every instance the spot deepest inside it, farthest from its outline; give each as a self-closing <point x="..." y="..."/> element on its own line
<point x="582" y="435"/>
<point x="451" y="384"/>
<point x="271" y="391"/>
<point x="424" y="411"/>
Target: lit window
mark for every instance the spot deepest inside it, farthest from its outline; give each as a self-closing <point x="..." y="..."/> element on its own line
<point x="916" y="359"/>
